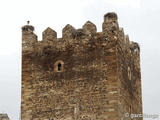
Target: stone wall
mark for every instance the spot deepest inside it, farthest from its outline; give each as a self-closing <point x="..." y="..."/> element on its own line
<point x="81" y="76"/>
<point x="4" y="117"/>
<point x="130" y="96"/>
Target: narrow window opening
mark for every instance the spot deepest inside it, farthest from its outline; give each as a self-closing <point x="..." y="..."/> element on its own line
<point x="129" y="73"/>
<point x="59" y="66"/>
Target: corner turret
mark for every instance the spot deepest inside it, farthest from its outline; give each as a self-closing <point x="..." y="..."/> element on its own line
<point x="29" y="38"/>
<point x="110" y="17"/>
<point x="110" y="25"/>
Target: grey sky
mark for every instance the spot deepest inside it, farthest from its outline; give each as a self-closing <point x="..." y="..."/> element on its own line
<point x="139" y="18"/>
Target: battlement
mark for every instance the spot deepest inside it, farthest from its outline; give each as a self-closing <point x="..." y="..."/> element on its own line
<point x="86" y="36"/>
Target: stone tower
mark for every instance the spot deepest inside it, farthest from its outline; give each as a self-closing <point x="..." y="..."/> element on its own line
<point x="85" y="75"/>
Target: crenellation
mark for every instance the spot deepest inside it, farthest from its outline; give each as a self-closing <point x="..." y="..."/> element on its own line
<point x="89" y="28"/>
<point x="72" y="36"/>
<point x="121" y="35"/>
<point x="127" y="41"/>
<point x="49" y="35"/>
<point x="67" y="32"/>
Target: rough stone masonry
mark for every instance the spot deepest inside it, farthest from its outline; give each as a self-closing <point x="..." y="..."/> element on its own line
<point x="4" y="116"/>
<point x="85" y="75"/>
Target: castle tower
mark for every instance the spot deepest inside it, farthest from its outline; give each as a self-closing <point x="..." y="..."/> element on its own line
<point x="85" y="75"/>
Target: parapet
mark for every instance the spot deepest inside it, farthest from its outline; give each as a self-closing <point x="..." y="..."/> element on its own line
<point x="111" y="33"/>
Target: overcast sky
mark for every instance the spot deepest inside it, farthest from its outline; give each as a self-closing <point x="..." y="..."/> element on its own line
<point x="139" y="18"/>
